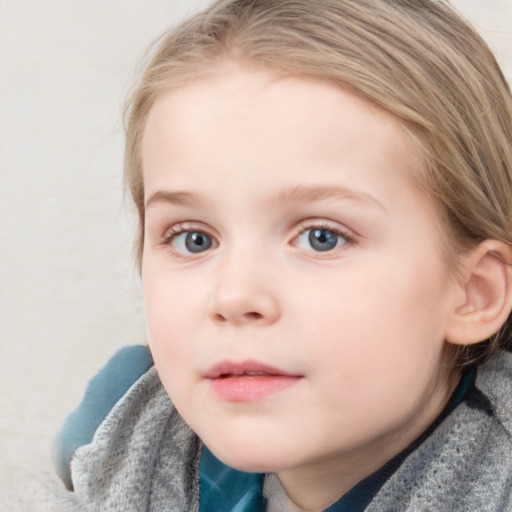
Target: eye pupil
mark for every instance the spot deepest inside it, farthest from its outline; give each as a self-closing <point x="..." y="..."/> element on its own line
<point x="322" y="239"/>
<point x="196" y="241"/>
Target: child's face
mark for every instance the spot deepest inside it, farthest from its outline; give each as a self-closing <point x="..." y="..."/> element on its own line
<point x="286" y="239"/>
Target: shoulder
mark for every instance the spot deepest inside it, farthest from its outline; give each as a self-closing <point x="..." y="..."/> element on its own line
<point x="466" y="463"/>
<point x="105" y="389"/>
<point x="142" y="451"/>
<point x="494" y="380"/>
<point x="134" y="447"/>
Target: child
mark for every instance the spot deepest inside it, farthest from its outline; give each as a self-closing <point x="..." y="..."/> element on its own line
<point x="324" y="190"/>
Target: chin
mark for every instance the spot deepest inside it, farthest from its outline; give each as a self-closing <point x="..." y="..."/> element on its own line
<point x="250" y="458"/>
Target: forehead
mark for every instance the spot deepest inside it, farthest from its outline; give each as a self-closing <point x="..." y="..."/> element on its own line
<point x="255" y="120"/>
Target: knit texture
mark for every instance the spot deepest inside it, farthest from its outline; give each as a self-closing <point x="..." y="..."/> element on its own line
<point x="142" y="458"/>
<point x="103" y="392"/>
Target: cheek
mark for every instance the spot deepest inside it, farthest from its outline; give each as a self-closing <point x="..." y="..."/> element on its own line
<point x="170" y="324"/>
<point x="376" y="324"/>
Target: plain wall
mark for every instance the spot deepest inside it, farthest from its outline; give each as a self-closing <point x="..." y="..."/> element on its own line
<point x="69" y="291"/>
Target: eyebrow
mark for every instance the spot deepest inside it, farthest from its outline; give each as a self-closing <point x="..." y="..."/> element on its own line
<point x="305" y="193"/>
<point x="173" y="198"/>
<point x="296" y="194"/>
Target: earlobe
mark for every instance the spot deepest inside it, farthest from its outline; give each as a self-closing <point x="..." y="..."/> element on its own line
<point x="484" y="300"/>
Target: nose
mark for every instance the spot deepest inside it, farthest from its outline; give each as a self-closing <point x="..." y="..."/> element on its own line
<point x="244" y="294"/>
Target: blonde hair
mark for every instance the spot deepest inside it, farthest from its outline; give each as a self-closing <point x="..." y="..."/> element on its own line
<point x="417" y="59"/>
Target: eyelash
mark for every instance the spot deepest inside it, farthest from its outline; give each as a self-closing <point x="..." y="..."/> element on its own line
<point x="322" y="225"/>
<point x="179" y="229"/>
<point x="173" y="232"/>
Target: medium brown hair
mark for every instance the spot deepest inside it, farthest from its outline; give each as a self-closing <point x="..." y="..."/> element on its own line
<point x="416" y="59"/>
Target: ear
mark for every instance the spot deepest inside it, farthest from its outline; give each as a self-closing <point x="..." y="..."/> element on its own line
<point x="484" y="294"/>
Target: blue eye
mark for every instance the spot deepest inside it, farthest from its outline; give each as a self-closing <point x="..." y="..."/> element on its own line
<point x="321" y="239"/>
<point x="193" y="242"/>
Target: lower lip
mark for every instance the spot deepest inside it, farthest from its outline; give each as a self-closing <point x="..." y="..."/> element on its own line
<point x="249" y="388"/>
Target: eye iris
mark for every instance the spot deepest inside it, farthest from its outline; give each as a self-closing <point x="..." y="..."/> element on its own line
<point x="197" y="242"/>
<point x="322" y="239"/>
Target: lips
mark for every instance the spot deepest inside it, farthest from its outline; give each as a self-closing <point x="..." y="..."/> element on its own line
<point x="228" y="368"/>
<point x="248" y="381"/>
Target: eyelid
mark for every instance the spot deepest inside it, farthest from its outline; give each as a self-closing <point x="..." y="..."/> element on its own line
<point x="185" y="226"/>
<point x="325" y="224"/>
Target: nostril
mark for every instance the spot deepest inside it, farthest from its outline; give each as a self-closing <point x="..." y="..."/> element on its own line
<point x="253" y="315"/>
<point x="249" y="316"/>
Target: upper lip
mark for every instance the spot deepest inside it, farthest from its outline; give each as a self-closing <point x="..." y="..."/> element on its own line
<point x="231" y="368"/>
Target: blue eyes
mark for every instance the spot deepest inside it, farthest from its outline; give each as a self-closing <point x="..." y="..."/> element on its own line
<point x="314" y="239"/>
<point x="320" y="239"/>
<point x="192" y="242"/>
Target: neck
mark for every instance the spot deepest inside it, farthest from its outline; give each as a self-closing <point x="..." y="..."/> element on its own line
<point x="317" y="485"/>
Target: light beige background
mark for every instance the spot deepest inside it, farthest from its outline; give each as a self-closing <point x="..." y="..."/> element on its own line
<point x="69" y="293"/>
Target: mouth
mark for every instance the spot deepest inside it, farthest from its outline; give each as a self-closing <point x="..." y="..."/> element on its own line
<point x="227" y="369"/>
<point x="248" y="381"/>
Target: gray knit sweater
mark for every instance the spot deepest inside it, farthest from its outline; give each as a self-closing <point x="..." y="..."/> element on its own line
<point x="145" y="458"/>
